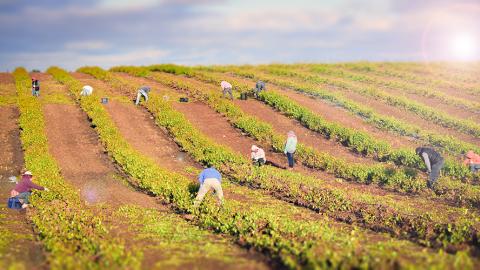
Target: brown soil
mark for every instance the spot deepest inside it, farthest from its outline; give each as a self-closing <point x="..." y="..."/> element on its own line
<point x="338" y="115"/>
<point x="6" y="78"/>
<point x="206" y="120"/>
<point x="138" y="128"/>
<point x="409" y="117"/>
<point x="24" y="248"/>
<point x="428" y="101"/>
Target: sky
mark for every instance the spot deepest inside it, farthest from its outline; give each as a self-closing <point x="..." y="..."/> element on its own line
<point x="70" y="33"/>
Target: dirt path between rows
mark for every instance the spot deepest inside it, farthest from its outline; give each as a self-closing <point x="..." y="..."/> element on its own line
<point x="406" y="116"/>
<point x="409" y="117"/>
<point x="23" y="247"/>
<point x="430" y="102"/>
<point x="139" y="129"/>
<point x="335" y="114"/>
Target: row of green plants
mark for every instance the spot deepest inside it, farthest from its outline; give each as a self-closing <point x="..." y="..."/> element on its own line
<point x="73" y="236"/>
<point x="311" y="244"/>
<point x="451" y="190"/>
<point x="449" y="144"/>
<point x="446" y="72"/>
<point x="263" y="132"/>
<point x="296" y="188"/>
<point x="425" y="112"/>
<point x="436" y="79"/>
<point x="178" y="241"/>
<point x="403" y="86"/>
<point x="394" y="70"/>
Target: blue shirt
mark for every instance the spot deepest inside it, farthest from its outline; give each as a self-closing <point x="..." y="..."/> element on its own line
<point x="209" y="173"/>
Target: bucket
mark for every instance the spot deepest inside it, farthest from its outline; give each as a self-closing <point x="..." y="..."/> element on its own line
<point x="104" y="100"/>
<point x="243" y="96"/>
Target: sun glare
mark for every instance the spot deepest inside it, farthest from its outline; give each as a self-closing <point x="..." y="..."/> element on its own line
<point x="464" y="47"/>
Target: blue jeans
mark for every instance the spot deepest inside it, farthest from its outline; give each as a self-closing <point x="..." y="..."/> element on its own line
<point x="290" y="159"/>
<point x="24" y="196"/>
<point x="36" y="93"/>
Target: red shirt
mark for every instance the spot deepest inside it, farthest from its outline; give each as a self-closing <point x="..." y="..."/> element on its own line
<point x="26" y="185"/>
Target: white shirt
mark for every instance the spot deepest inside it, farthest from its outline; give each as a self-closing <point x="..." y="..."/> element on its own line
<point x="86" y="90"/>
<point x="225" y="84"/>
<point x="258" y="155"/>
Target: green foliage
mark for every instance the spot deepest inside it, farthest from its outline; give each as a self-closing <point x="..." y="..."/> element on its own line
<point x="71" y="233"/>
<point x="291" y="187"/>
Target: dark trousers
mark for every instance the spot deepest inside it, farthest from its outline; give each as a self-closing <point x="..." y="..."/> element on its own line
<point x="259" y="162"/>
<point x="474" y="167"/>
<point x="436" y="167"/>
<point x="290" y="159"/>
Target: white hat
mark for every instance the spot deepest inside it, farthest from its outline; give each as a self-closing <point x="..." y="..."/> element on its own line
<point x="27" y="173"/>
<point x="254" y="147"/>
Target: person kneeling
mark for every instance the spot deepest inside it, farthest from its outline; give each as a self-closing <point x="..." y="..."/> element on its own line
<point x="23" y="189"/>
<point x="258" y="156"/>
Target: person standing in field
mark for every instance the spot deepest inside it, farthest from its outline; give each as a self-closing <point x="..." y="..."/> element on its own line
<point x="35" y="87"/>
<point x="290" y="148"/>
<point x="259" y="87"/>
<point x="258" y="156"/>
<point x="473" y="161"/>
<point x="209" y="179"/>
<point x="23" y="189"/>
<point x="87" y="90"/>
<point x="143" y="91"/>
<point x="226" y="88"/>
<point x="433" y="161"/>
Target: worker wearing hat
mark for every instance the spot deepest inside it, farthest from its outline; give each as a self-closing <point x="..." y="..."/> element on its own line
<point x="258" y="155"/>
<point x="23" y="189"/>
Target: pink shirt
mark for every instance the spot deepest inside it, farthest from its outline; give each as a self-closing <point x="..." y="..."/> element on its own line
<point x="26" y="185"/>
<point x="225" y="84"/>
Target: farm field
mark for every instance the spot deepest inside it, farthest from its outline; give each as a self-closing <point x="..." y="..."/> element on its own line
<point x="122" y="178"/>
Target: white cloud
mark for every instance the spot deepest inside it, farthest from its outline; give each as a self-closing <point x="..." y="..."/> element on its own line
<point x="127" y="4"/>
<point x="72" y="60"/>
<point x="87" y="45"/>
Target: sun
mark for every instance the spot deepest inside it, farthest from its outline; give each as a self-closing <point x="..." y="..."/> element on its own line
<point x="464" y="47"/>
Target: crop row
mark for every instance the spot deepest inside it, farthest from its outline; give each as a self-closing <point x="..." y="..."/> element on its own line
<point x="394" y="70"/>
<point x="302" y="190"/>
<point x="402" y="86"/>
<point x="425" y="112"/>
<point x="438" y="79"/>
<point x="291" y="241"/>
<point x="286" y="241"/>
<point x="74" y="237"/>
<point x="448" y="143"/>
<point x="452" y="190"/>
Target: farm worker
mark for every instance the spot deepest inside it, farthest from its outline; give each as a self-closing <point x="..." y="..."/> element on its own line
<point x="23" y="189"/>
<point x="143" y="91"/>
<point x="35" y="87"/>
<point x="258" y="156"/>
<point x="87" y="90"/>
<point x="259" y="86"/>
<point x="473" y="161"/>
<point x="209" y="179"/>
<point x="433" y="161"/>
<point x="290" y="148"/>
<point x="226" y="88"/>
